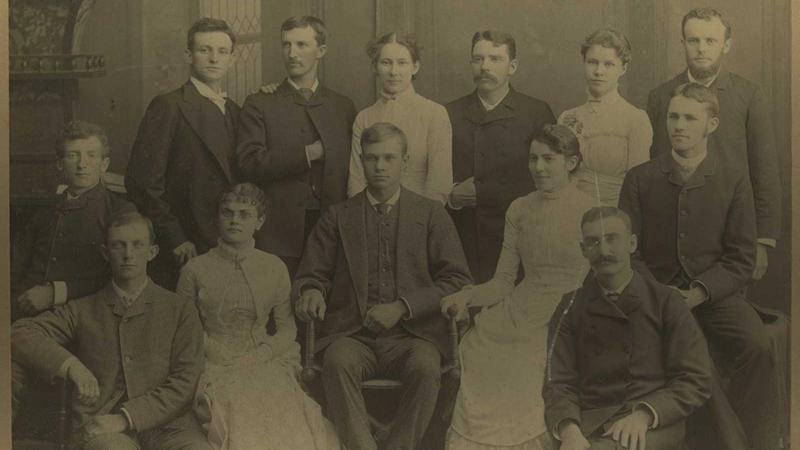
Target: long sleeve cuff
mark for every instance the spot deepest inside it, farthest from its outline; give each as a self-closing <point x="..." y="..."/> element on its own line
<point x="653" y="411"/>
<point x="769" y="242"/>
<point x="308" y="158"/>
<point x="59" y="293"/>
<point x="410" y="314"/>
<point x="128" y="418"/>
<point x="62" y="371"/>
<point x="450" y="199"/>
<point x="700" y="284"/>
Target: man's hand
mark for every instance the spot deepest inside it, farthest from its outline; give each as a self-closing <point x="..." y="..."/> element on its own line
<point x="37" y="299"/>
<point x="693" y="296"/>
<point x="310" y="306"/>
<point x="184" y="252"/>
<point x="762" y="262"/>
<point x="459" y="301"/>
<point x="631" y="430"/>
<point x="84" y="381"/>
<point x="385" y="315"/>
<point x="103" y="424"/>
<point x="269" y="88"/>
<point x="463" y="194"/>
<point x="572" y="438"/>
<point x="315" y="151"/>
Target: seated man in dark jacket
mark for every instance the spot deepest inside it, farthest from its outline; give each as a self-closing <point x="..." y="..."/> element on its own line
<point x="58" y="255"/>
<point x="628" y="363"/>
<point x="374" y="271"/>
<point x="138" y="357"/>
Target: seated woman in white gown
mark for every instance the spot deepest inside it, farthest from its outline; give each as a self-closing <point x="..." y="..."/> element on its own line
<point x="499" y="403"/>
<point x="615" y="136"/>
<point x="249" y="396"/>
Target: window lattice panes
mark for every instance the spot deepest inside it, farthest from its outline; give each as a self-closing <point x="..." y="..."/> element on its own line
<point x="244" y="16"/>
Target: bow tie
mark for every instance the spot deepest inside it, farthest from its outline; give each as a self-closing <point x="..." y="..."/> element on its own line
<point x="382" y="208"/>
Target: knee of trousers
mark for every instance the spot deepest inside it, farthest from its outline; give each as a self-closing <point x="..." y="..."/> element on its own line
<point x="341" y="364"/>
<point x="421" y="370"/>
<point x="756" y="349"/>
<point x="111" y="441"/>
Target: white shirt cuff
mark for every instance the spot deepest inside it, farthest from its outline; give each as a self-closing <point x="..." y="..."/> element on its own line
<point x="128" y="418"/>
<point x="449" y="199"/>
<point x="653" y="411"/>
<point x="408" y="307"/>
<point x="769" y="242"/>
<point x="308" y="158"/>
<point x="59" y="293"/>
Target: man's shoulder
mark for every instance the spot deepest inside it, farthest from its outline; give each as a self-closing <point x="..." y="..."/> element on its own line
<point x="740" y="83"/>
<point x="168" y="98"/>
<point x="528" y="101"/>
<point x="335" y="96"/>
<point x="665" y="89"/>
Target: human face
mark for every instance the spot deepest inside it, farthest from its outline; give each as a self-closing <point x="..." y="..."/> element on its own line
<point x="395" y="68"/>
<point x="704" y="44"/>
<point x="491" y="66"/>
<point x="301" y="52"/>
<point x="688" y="124"/>
<point x="384" y="164"/>
<point x="602" y="68"/>
<point x="211" y="56"/>
<point x="128" y="249"/>
<point x="238" y="221"/>
<point x="83" y="163"/>
<point x="608" y="244"/>
<point x="550" y="170"/>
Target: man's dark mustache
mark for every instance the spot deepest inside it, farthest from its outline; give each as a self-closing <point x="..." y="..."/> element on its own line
<point x="604" y="259"/>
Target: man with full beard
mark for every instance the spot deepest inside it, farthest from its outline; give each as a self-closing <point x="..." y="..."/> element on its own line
<point x="744" y="137"/>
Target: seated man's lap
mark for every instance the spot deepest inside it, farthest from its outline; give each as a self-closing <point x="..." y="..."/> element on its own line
<point x="733" y="328"/>
<point x="183" y="433"/>
<point x="112" y="441"/>
<point x="399" y="356"/>
<point x="662" y="438"/>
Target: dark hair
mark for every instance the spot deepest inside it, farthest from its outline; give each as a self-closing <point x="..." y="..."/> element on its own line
<point x="246" y="193"/>
<point x="128" y="218"/>
<point x="383" y="131"/>
<point x="706" y="14"/>
<point x="497" y="38"/>
<point x="701" y="94"/>
<point x="320" y="30"/>
<point x="603" y="212"/>
<point x="408" y="41"/>
<point x="561" y="140"/>
<point x="206" y="25"/>
<point x="78" y="129"/>
<point x="609" y="38"/>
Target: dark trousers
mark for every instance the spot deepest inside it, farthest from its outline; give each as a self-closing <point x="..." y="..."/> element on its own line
<point x="737" y="335"/>
<point x="350" y="360"/>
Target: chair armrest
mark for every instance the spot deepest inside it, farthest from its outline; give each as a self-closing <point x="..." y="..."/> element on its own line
<point x="310" y="368"/>
<point x="453" y="363"/>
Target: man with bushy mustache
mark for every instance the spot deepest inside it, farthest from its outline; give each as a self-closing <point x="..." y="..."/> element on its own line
<point x="492" y="131"/>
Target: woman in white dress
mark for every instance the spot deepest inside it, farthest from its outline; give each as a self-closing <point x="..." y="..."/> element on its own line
<point x="615" y="135"/>
<point x="395" y="60"/>
<point x="499" y="403"/>
<point x="249" y="396"/>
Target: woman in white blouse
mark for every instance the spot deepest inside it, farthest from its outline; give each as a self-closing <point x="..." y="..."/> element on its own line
<point x="615" y="136"/>
<point x="395" y="60"/>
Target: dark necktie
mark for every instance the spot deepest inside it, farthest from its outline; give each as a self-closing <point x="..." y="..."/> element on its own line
<point x="382" y="208"/>
<point x="306" y="93"/>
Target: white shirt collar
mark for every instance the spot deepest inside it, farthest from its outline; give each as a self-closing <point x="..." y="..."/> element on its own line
<point x="607" y="98"/>
<point x="204" y="90"/>
<point x="689" y="163"/>
<point x="131" y="296"/>
<point x="693" y="80"/>
<point x="621" y="288"/>
<point x="391" y="202"/>
<point x="294" y="85"/>
<point x="490" y="107"/>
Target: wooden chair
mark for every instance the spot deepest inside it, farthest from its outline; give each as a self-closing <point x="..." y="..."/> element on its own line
<point x="44" y="424"/>
<point x="384" y="391"/>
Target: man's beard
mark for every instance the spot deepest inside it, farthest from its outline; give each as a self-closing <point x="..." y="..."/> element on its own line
<point x="701" y="73"/>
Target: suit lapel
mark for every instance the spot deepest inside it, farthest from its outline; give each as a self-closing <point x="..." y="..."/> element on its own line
<point x="199" y="112"/>
<point x="354" y="242"/>
<point x="598" y="305"/>
<point x="477" y="114"/>
<point x="142" y="304"/>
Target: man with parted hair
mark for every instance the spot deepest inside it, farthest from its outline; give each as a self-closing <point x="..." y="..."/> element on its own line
<point x="627" y="362"/>
<point x="492" y="131"/>
<point x="181" y="160"/>
<point x="57" y="256"/>
<point x="373" y="273"/>
<point x="693" y="214"/>
<point x="294" y="142"/>
<point x="745" y="137"/>
<point x="137" y="352"/>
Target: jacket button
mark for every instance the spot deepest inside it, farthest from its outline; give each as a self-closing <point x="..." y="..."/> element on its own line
<point x="54" y="259"/>
<point x="128" y="359"/>
<point x="682" y="235"/>
<point x="684" y="212"/>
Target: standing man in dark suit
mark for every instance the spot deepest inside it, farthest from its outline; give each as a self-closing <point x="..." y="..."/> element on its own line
<point x="744" y="138"/>
<point x="138" y="352"/>
<point x="694" y="216"/>
<point x="181" y="160"/>
<point x="628" y="361"/>
<point x="374" y="271"/>
<point x="294" y="142"/>
<point x="492" y="131"/>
